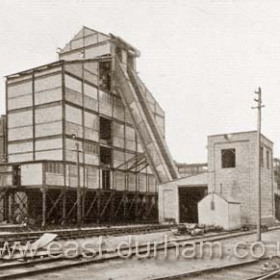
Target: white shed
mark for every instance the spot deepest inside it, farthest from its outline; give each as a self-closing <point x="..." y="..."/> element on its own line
<point x="214" y="209"/>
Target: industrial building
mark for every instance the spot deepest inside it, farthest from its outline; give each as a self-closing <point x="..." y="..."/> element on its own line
<point x="83" y="141"/>
<point x="3" y="137"/>
<point x="232" y="166"/>
<point x="80" y="113"/>
<point x="277" y="187"/>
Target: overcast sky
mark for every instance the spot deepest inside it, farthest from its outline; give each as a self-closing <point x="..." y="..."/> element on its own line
<point x="202" y="60"/>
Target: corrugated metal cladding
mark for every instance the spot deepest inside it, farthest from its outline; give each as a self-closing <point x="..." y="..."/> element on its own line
<point x="46" y="107"/>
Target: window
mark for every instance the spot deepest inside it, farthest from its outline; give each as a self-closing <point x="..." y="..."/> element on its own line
<point x="54" y="167"/>
<point x="261" y="157"/>
<point x="267" y="159"/>
<point x="228" y="158"/>
<point x="106" y="182"/>
<point x="91" y="148"/>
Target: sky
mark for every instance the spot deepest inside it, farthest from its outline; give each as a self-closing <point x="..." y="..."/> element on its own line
<point x="202" y="60"/>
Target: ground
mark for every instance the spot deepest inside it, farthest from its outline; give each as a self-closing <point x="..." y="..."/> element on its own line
<point x="146" y="268"/>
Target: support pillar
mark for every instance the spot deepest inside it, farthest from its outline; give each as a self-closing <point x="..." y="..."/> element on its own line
<point x="12" y="207"/>
<point x="44" y="206"/>
<point x="64" y="207"/>
<point x="83" y="204"/>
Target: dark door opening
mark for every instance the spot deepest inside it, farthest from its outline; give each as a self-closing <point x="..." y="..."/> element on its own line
<point x="188" y="203"/>
<point x="105" y="75"/>
<point x="105" y="157"/>
<point x="105" y="129"/>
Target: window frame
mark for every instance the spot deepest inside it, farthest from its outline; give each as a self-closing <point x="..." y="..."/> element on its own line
<point x="227" y="164"/>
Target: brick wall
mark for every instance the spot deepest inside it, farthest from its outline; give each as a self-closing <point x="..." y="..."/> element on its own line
<point x="240" y="182"/>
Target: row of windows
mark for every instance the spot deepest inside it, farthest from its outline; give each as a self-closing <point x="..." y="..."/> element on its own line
<point x="91" y="148"/>
<point x="54" y="167"/>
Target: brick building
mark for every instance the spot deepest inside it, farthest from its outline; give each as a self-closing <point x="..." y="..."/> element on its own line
<point x="232" y="166"/>
<point x="231" y="174"/>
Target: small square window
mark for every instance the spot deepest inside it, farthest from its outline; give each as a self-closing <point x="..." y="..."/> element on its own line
<point x="228" y="158"/>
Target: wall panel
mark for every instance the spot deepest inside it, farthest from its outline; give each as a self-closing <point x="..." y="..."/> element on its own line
<point x="47" y="96"/>
<point x="20" y="157"/>
<point x="73" y="115"/>
<point x="20" y="102"/>
<point x="48" y="129"/>
<point x="49" y="155"/>
<point x="26" y="146"/>
<point x="72" y="128"/>
<point x="96" y="51"/>
<point x="17" y="119"/>
<point x="73" y="83"/>
<point x="20" y="133"/>
<point x="119" y="181"/>
<point x="48" y="114"/>
<point x="48" y="82"/>
<point x="131" y="182"/>
<point x="47" y="144"/>
<point x="90" y="91"/>
<point x="92" y="135"/>
<point x="24" y="88"/>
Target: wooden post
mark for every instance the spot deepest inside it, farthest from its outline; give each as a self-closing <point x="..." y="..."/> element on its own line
<point x="258" y="165"/>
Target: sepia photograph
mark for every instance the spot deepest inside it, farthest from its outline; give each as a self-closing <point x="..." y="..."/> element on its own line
<point x="140" y="140"/>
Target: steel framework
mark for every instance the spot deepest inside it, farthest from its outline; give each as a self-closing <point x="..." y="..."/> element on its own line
<point x="54" y="206"/>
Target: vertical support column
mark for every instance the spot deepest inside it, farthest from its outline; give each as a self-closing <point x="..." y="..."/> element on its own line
<point x="98" y="193"/>
<point x="5" y="205"/>
<point x="6" y="139"/>
<point x="64" y="207"/>
<point x="12" y="207"/>
<point x="33" y="115"/>
<point x="84" y="191"/>
<point x="44" y="206"/>
<point x="112" y="206"/>
<point x="78" y="187"/>
<point x="125" y="201"/>
<point x="64" y="124"/>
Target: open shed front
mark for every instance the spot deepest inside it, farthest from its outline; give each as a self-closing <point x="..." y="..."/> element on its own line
<point x="188" y="203"/>
<point x="178" y="200"/>
<point x="217" y="210"/>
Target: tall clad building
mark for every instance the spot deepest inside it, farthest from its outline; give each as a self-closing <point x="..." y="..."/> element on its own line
<point x="70" y="115"/>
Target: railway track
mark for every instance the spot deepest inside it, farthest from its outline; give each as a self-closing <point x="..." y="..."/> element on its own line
<point x="64" y="234"/>
<point x="257" y="269"/>
<point x="45" y="264"/>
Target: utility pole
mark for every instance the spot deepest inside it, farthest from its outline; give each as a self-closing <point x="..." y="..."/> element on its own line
<point x="259" y="210"/>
